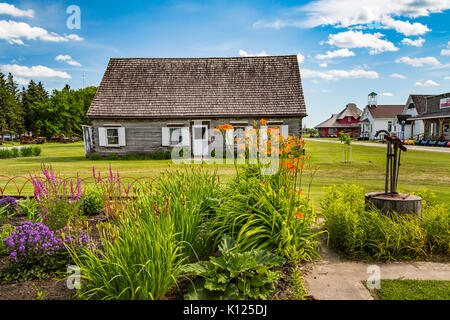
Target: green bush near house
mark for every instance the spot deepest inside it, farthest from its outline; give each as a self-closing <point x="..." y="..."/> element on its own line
<point x="372" y="235"/>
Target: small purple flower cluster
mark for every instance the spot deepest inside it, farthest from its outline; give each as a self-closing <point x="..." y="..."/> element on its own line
<point x="9" y="202"/>
<point x="34" y="241"/>
<point x="55" y="187"/>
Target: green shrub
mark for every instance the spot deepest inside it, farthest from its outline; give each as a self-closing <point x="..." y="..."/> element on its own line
<point x="160" y="155"/>
<point x="36" y="151"/>
<point x="374" y="235"/>
<point x="5" y="232"/>
<point x="113" y="156"/>
<point x="5" y="154"/>
<point x="26" y="151"/>
<point x="234" y="275"/>
<point x="15" y="153"/>
<point x="95" y="156"/>
<point x="91" y="203"/>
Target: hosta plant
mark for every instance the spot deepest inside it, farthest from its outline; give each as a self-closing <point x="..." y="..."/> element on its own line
<point x="234" y="275"/>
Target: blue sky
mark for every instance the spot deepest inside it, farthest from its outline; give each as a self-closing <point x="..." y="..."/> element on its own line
<point x="346" y="49"/>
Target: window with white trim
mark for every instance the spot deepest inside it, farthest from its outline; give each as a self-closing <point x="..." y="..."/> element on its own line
<point x="176" y="136"/>
<point x="112" y="136"/>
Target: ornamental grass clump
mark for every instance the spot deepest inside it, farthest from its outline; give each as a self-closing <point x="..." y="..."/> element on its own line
<point x="370" y="234"/>
<point x="34" y="247"/>
<point x="144" y="248"/>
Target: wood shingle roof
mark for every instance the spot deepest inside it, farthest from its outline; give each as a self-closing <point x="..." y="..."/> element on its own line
<point x="200" y="87"/>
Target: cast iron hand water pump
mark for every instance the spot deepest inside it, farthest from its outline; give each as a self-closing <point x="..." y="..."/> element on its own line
<point x="393" y="155"/>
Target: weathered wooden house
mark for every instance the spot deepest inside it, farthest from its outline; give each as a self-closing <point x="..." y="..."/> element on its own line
<point x="149" y="105"/>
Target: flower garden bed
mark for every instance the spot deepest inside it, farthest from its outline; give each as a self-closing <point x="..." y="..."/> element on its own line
<point x="162" y="239"/>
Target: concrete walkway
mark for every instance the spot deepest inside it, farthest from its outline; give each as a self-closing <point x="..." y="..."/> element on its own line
<point x="369" y="144"/>
<point x="330" y="278"/>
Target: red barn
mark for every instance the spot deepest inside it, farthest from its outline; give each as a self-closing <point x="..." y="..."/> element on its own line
<point x="347" y="120"/>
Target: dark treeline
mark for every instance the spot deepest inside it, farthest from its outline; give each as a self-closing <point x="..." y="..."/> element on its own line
<point x="33" y="109"/>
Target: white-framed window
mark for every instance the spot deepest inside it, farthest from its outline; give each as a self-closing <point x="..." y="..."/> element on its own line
<point x="176" y="136"/>
<point x="111" y="136"/>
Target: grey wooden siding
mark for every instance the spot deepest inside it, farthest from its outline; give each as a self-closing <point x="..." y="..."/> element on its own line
<point x="145" y="136"/>
<point x="433" y="103"/>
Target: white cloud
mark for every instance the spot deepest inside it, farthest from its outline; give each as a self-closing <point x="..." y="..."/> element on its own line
<point x="323" y="65"/>
<point x="398" y="76"/>
<point x="345" y="13"/>
<point x="339" y="74"/>
<point x="300" y="58"/>
<point x="74" y="63"/>
<point x="244" y="53"/>
<point x="419" y="62"/>
<point x="34" y="71"/>
<point x="9" y="9"/>
<point x="13" y="32"/>
<point x="447" y="78"/>
<point x="358" y="39"/>
<point x="446" y="52"/>
<point x="415" y="43"/>
<point x="61" y="57"/>
<point x="405" y="27"/>
<point x="67" y="59"/>
<point x="387" y="94"/>
<point x="362" y="14"/>
<point x="340" y="53"/>
<point x="73" y="37"/>
<point x="428" y="83"/>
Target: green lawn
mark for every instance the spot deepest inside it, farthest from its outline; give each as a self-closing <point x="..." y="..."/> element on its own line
<point x="413" y="290"/>
<point x="420" y="170"/>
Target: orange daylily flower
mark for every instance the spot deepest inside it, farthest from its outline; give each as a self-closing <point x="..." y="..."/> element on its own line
<point x="299" y="215"/>
<point x="263" y="122"/>
<point x="224" y="127"/>
<point x="300" y="192"/>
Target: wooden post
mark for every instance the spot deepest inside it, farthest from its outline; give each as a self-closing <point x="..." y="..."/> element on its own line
<point x="424" y="128"/>
<point x="441" y="127"/>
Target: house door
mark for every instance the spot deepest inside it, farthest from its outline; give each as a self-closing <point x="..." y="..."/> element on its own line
<point x="200" y="140"/>
<point x="87" y="138"/>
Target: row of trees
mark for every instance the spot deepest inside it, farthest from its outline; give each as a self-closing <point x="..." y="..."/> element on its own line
<point x="33" y="110"/>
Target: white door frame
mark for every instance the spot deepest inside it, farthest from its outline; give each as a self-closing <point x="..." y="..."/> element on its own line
<point x="200" y="147"/>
